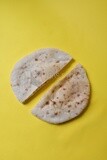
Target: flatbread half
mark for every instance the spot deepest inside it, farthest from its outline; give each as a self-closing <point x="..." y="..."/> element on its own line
<point x="66" y="100"/>
<point x="31" y="72"/>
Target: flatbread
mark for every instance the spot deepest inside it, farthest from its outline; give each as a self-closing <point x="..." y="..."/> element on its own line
<point x="65" y="100"/>
<point x="31" y="72"/>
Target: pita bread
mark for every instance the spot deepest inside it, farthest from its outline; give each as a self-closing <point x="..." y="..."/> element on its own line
<point x="31" y="72"/>
<point x="65" y="100"/>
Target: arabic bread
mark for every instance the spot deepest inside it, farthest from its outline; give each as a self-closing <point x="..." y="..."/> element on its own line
<point x="65" y="100"/>
<point x="31" y="72"/>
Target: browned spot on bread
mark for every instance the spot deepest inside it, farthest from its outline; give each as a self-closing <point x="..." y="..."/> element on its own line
<point x="73" y="93"/>
<point x="82" y="100"/>
<point x="69" y="106"/>
<point x="23" y="67"/>
<point x="36" y="59"/>
<point x="47" y="102"/>
<point x="56" y="113"/>
<point x="38" y="73"/>
<point x="70" y="76"/>
<point x="77" y="103"/>
<point x="57" y="97"/>
<point x="64" y="89"/>
<point x="86" y="93"/>
<point x="77" y="73"/>
<point x="78" y="95"/>
<point x="68" y="110"/>
<point x="43" y="73"/>
<point x="57" y="61"/>
<point x="60" y="86"/>
<point x="54" y="102"/>
<point x="60" y="101"/>
<point x="52" y="91"/>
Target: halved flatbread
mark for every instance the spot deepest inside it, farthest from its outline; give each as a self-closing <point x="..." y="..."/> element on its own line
<point x="65" y="100"/>
<point x="31" y="72"/>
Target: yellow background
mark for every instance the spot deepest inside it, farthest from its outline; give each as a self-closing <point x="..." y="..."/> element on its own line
<point x="78" y="27"/>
